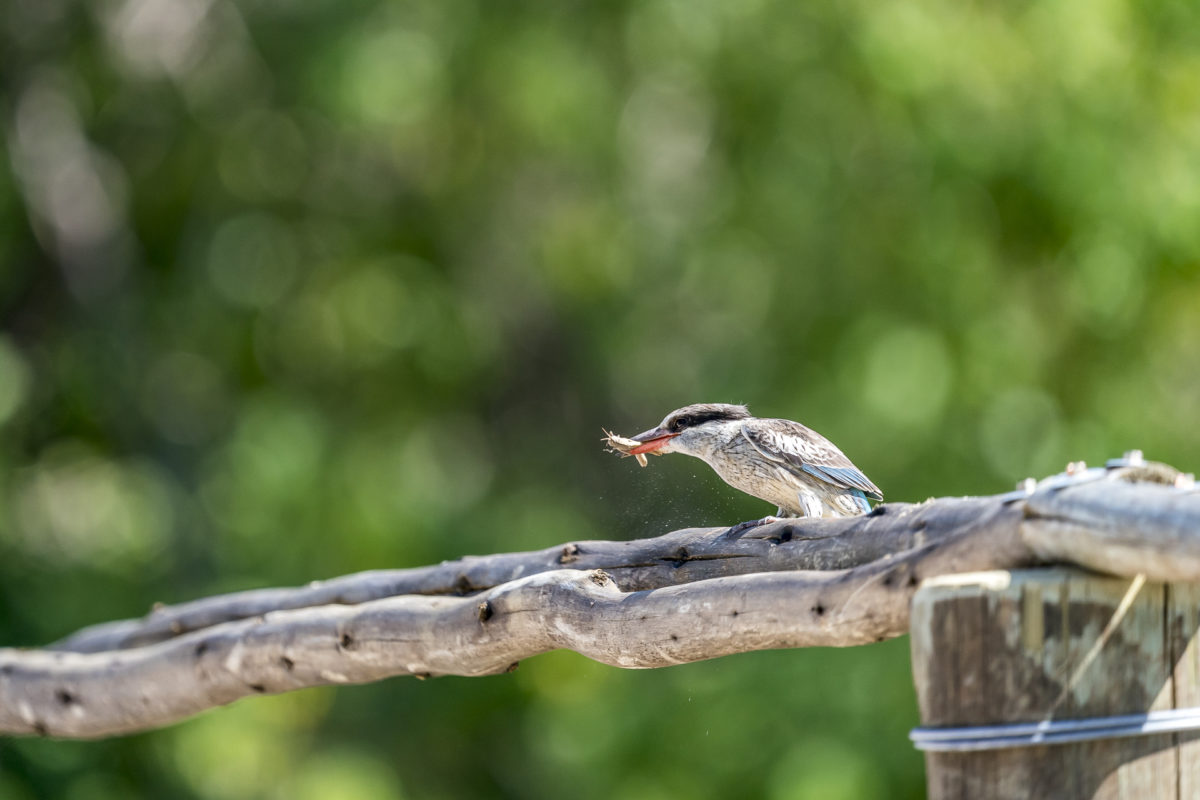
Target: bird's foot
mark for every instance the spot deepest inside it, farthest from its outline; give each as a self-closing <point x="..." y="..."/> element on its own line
<point x="738" y="530"/>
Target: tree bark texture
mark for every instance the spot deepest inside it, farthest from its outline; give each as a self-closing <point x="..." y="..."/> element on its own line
<point x="689" y="595"/>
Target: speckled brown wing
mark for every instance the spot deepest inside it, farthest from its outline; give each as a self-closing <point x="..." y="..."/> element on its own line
<point x="799" y="448"/>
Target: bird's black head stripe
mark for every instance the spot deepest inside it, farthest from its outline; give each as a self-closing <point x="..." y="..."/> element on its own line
<point x="697" y="415"/>
<point x="700" y="417"/>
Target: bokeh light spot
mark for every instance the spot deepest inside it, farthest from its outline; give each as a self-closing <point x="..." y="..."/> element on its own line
<point x="391" y="75"/>
<point x="665" y="132"/>
<point x="1021" y="434"/>
<point x="907" y="376"/>
<point x="252" y="260"/>
<point x="74" y="505"/>
<point x="1108" y="286"/>
<point x="554" y="91"/>
<point x="343" y="775"/>
<point x="446" y="465"/>
<point x="376" y="312"/>
<point x="825" y="769"/>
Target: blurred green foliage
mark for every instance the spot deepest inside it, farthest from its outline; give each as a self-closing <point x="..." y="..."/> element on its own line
<point x="289" y="290"/>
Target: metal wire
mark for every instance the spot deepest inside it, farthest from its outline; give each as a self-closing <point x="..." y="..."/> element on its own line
<point x="1063" y="731"/>
<point x="1033" y="734"/>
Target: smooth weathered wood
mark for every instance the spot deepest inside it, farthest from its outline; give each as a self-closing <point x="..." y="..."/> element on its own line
<point x="1183" y="622"/>
<point x="1133" y="520"/>
<point x="675" y="558"/>
<point x="1055" y="644"/>
<point x="98" y="694"/>
<point x="585" y="611"/>
<point x="1148" y="528"/>
<point x="792" y="584"/>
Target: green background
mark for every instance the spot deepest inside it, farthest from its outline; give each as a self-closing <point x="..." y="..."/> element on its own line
<point x="290" y="290"/>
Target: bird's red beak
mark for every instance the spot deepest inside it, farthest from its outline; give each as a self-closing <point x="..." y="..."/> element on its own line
<point x="651" y="440"/>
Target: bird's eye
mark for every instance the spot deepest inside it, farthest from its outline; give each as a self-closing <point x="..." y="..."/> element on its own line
<point x="676" y="425"/>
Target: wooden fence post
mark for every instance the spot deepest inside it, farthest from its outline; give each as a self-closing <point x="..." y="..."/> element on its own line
<point x="1057" y="644"/>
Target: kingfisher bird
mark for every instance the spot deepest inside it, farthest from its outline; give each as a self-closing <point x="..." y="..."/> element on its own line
<point x="777" y="460"/>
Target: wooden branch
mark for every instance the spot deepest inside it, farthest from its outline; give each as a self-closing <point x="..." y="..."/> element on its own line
<point x="656" y="602"/>
<point x="86" y="695"/>
<point x="678" y="557"/>
<point x="1119" y="528"/>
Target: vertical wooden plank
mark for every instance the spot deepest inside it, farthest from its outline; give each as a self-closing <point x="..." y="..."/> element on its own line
<point x="1123" y="670"/>
<point x="1183" y="622"/>
<point x="1027" y="646"/>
